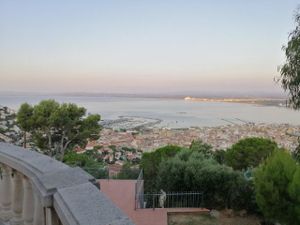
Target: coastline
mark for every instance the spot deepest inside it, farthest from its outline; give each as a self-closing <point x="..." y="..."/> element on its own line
<point x="126" y="138"/>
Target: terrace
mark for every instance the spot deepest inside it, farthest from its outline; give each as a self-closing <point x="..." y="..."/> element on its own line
<point x="38" y="190"/>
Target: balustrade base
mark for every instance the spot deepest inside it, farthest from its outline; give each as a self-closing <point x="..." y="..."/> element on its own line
<point x="3" y="223"/>
<point x="16" y="221"/>
<point x="6" y="215"/>
<point x="28" y="223"/>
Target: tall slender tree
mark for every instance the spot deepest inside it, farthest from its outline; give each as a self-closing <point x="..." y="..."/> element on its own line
<point x="290" y="71"/>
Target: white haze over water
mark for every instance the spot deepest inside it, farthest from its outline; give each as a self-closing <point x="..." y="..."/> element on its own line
<point x="174" y="113"/>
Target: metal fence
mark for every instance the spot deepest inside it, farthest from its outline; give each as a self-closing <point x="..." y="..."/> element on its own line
<point x="165" y="200"/>
<point x="170" y="200"/>
<point x="139" y="190"/>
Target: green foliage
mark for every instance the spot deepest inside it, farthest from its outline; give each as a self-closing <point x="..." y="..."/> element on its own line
<point x="277" y="185"/>
<point x="94" y="154"/>
<point x="129" y="149"/>
<point x="97" y="147"/>
<point x="249" y="152"/>
<point x="128" y="172"/>
<point x="200" y="146"/>
<point x="219" y="156"/>
<point x="296" y="153"/>
<point x="294" y="191"/>
<point x="194" y="171"/>
<point x="87" y="163"/>
<point x="56" y="127"/>
<point x="113" y="147"/>
<point x="290" y="71"/>
<point x="150" y="162"/>
<point x="24" y="117"/>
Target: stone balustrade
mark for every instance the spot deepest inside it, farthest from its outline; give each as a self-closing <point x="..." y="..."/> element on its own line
<point x="38" y="190"/>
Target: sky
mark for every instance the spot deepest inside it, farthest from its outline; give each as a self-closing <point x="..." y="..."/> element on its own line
<point x="138" y="46"/>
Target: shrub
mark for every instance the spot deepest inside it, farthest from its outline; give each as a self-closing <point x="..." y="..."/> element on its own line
<point x="150" y="162"/>
<point x="87" y="163"/>
<point x="128" y="172"/>
<point x="277" y="186"/>
<point x="193" y="171"/>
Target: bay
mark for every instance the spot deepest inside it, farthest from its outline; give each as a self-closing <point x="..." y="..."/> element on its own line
<point x="172" y="112"/>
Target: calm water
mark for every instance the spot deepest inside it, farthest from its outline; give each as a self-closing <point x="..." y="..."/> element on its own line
<point x="172" y="112"/>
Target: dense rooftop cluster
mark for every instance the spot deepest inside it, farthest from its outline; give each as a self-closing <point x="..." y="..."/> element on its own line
<point x="220" y="137"/>
<point x="9" y="131"/>
<point x="114" y="152"/>
<point x="118" y="147"/>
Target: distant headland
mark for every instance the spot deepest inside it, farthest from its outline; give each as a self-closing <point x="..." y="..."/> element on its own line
<point x="258" y="101"/>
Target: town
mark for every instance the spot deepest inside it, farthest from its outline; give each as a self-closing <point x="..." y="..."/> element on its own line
<point x="119" y="146"/>
<point x="9" y="131"/>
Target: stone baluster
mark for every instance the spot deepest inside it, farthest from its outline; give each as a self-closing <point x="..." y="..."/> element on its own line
<point x="28" y="202"/>
<point x="6" y="193"/>
<point x="51" y="217"/>
<point x="1" y="185"/>
<point x="38" y="215"/>
<point x="17" y="203"/>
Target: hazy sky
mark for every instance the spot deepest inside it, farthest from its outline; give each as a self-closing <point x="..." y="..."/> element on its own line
<point x="143" y="46"/>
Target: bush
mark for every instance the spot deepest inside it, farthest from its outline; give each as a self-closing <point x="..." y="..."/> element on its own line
<point x="277" y="186"/>
<point x="87" y="163"/>
<point x="150" y="162"/>
<point x="193" y="171"/>
<point x="128" y="172"/>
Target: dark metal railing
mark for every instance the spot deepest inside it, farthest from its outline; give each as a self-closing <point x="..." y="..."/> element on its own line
<point x="165" y="200"/>
<point x="170" y="200"/>
<point x="139" y="190"/>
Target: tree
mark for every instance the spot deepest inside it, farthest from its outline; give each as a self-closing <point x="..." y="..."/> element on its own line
<point x="43" y="130"/>
<point x="277" y="185"/>
<point x="150" y="162"/>
<point x="24" y="120"/>
<point x="56" y="127"/>
<point x="249" y="152"/>
<point x="290" y="71"/>
<point x="71" y="126"/>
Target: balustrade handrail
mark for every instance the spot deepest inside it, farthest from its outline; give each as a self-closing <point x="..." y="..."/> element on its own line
<point x="70" y="192"/>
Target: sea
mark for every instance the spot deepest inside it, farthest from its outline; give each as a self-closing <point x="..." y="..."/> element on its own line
<point x="170" y="112"/>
